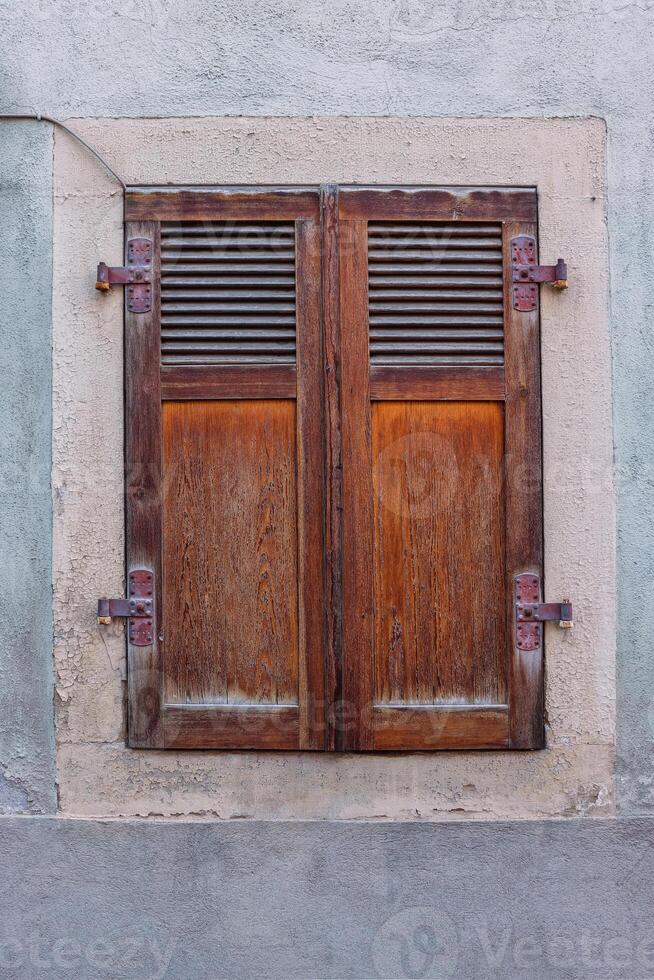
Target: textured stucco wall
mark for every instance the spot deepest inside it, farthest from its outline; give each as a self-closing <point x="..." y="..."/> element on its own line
<point x="405" y="57"/>
<point x="97" y="774"/>
<point x="148" y="901"/>
<point x="27" y="775"/>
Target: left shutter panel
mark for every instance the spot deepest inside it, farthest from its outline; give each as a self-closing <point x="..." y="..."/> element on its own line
<point x="225" y="470"/>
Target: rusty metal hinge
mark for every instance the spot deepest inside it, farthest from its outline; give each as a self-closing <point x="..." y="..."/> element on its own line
<point x="531" y="613"/>
<point x="136" y="275"/>
<point x="138" y="608"/>
<point x="526" y="274"/>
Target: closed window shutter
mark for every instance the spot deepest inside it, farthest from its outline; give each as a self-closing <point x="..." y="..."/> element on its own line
<point x="441" y="470"/>
<point x="223" y="381"/>
<point x="334" y="470"/>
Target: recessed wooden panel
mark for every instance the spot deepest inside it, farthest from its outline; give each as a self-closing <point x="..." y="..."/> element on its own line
<point x="230" y="552"/>
<point x="438" y="553"/>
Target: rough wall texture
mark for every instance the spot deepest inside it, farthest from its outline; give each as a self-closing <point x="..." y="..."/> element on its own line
<point x="26" y="712"/>
<point x="97" y="774"/>
<point x="407" y="57"/>
<point x="137" y="901"/>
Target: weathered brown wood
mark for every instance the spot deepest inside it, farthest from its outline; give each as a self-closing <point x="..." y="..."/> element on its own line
<point x="230" y="552"/>
<point x="216" y="381"/>
<point x="228" y="727"/>
<point x="333" y="467"/>
<point x="523" y="495"/>
<point x="310" y="483"/>
<point x="380" y="487"/>
<point x="357" y="551"/>
<point x="455" y="383"/>
<point x="228" y="292"/>
<point x="439" y="558"/>
<point x="220" y="204"/>
<point x="143" y="503"/>
<point x="438" y="203"/>
<point x="435" y="293"/>
<point x="463" y="727"/>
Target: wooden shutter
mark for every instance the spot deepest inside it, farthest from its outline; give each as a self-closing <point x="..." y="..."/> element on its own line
<point x="333" y="470"/>
<point x="225" y="482"/>
<point x="441" y="488"/>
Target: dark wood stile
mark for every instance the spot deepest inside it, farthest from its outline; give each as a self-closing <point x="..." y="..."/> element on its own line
<point x="333" y="467"/>
<point x="358" y="616"/>
<point x="143" y="498"/>
<point x="523" y="495"/>
<point x="310" y="482"/>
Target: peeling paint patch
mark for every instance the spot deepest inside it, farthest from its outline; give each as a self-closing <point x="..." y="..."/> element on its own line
<point x="13" y="797"/>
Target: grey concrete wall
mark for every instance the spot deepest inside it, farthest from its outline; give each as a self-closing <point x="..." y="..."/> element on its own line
<point x="409" y="57"/>
<point x="27" y="776"/>
<point x="241" y="900"/>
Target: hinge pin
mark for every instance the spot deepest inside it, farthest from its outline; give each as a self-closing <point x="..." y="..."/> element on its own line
<point x="138" y="608"/>
<point x="136" y="275"/>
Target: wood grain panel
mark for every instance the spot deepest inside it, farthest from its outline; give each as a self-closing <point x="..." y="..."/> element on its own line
<point x="402" y="728"/>
<point x="442" y="383"/>
<point x="438" y="565"/>
<point x="230" y="552"/>
<point x="227" y="381"/>
<point x="438" y="203"/>
<point x="220" y="203"/>
<point x="228" y="727"/>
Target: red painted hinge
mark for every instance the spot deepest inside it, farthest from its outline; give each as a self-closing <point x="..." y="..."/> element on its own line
<point x="136" y="275"/>
<point x="138" y="608"/>
<point x="530" y="612"/>
<point x="526" y="274"/>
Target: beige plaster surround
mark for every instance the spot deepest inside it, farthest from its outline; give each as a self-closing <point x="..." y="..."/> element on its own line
<point x="97" y="774"/>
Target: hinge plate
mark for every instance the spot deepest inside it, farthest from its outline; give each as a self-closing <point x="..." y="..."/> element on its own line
<point x="136" y="276"/>
<point x="531" y="613"/>
<point x="526" y="273"/>
<point x="137" y="608"/>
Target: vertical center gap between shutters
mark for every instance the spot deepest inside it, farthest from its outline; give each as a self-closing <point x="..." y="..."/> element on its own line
<point x="435" y="293"/>
<point x="228" y="293"/>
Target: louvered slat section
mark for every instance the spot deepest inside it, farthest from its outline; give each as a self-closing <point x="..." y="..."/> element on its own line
<point x="227" y="293"/>
<point x="435" y="293"/>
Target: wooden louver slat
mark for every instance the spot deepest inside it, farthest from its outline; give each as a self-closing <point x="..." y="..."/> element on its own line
<point x="435" y="293"/>
<point x="228" y="293"/>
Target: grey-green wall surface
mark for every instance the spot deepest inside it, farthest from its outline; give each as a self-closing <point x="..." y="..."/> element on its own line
<point x="27" y="770"/>
<point x="86" y="900"/>
<point x="400" y="57"/>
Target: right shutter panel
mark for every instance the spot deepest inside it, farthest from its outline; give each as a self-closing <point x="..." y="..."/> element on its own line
<point x="441" y="471"/>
